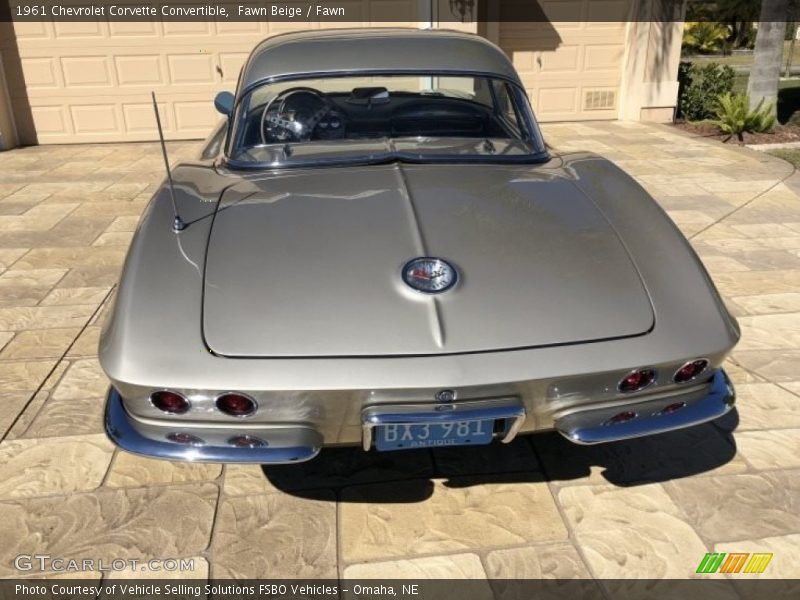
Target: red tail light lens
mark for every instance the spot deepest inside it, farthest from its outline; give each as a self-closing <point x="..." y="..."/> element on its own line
<point x="180" y="437"/>
<point x="236" y="405"/>
<point x="637" y="380"/>
<point x="246" y="441"/>
<point x="622" y="417"/>
<point x="671" y="408"/>
<point x="690" y="370"/>
<point x="169" y="402"/>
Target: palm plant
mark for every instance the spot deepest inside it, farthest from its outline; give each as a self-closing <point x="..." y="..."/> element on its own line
<point x="734" y="116"/>
<point x="704" y="36"/>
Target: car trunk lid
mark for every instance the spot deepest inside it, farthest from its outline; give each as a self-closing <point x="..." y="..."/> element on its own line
<point x="308" y="263"/>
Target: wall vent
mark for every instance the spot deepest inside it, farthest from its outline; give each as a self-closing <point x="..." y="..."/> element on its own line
<point x="599" y="100"/>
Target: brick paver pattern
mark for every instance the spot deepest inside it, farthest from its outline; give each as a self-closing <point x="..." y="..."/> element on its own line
<point x="538" y="507"/>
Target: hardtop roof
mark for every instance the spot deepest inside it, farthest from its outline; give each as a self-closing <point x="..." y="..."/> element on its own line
<point x="387" y="50"/>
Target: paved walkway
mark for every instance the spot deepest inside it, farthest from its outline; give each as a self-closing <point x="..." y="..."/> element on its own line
<point x="540" y="507"/>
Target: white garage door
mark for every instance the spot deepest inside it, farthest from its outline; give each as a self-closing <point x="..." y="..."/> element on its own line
<point x="571" y="70"/>
<point x="91" y="82"/>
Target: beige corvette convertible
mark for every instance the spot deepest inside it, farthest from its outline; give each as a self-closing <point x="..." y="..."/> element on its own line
<point x="376" y="248"/>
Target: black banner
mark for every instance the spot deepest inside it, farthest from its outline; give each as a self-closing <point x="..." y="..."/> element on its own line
<point x="743" y="587"/>
<point x="346" y="11"/>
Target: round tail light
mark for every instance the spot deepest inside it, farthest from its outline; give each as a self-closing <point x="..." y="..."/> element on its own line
<point x="169" y="402"/>
<point x="671" y="408"/>
<point x="181" y="437"/>
<point x="622" y="417"/>
<point x="690" y="370"/>
<point x="637" y="380"/>
<point x="246" y="441"/>
<point x="236" y="405"/>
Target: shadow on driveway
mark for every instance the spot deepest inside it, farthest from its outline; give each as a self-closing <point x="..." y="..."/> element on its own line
<point x="535" y="458"/>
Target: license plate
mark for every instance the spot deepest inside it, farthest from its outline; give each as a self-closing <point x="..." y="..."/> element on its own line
<point x="404" y="436"/>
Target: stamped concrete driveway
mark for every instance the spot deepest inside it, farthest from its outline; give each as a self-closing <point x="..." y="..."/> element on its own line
<point x="540" y="507"/>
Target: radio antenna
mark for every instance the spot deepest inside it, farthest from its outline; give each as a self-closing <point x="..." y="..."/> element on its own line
<point x="177" y="223"/>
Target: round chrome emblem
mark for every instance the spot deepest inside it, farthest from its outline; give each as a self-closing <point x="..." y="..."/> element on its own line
<point x="429" y="275"/>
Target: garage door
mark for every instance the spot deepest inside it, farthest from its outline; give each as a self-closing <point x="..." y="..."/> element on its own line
<point x="571" y="70"/>
<point x="91" y="82"/>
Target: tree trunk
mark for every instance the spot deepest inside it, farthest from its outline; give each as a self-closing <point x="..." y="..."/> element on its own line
<point x="763" y="82"/>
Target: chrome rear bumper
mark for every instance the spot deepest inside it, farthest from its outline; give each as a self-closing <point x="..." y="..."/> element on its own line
<point x="282" y="443"/>
<point x="593" y="425"/>
<point x="291" y="442"/>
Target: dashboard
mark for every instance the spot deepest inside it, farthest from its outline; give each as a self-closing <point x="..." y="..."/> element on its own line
<point x="305" y="114"/>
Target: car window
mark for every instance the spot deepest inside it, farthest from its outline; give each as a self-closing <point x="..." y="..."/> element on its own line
<point x="429" y="116"/>
<point x="506" y="107"/>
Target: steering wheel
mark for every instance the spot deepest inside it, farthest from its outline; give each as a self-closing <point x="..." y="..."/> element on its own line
<point x="292" y="115"/>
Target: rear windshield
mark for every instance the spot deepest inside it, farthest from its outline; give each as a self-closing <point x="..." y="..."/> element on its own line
<point x="419" y="117"/>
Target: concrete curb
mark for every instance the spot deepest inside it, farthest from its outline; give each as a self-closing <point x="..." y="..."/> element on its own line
<point x="768" y="147"/>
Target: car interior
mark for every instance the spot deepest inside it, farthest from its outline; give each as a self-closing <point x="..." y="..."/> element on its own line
<point x="302" y="114"/>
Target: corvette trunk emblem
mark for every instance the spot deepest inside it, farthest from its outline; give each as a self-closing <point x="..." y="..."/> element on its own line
<point x="429" y="275"/>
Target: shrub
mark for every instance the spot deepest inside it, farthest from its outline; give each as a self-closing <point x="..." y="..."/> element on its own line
<point x="734" y="116"/>
<point x="699" y="88"/>
<point x="704" y="36"/>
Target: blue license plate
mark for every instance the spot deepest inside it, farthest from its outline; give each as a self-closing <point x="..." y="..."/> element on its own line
<point x="404" y="436"/>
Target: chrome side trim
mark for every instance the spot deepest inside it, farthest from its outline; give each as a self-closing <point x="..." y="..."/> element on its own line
<point x="591" y="426"/>
<point x="475" y="410"/>
<point x="285" y="444"/>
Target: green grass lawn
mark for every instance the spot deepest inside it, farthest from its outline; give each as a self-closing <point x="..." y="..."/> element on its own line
<point x="745" y="60"/>
<point x="740" y="83"/>
<point x="793" y="156"/>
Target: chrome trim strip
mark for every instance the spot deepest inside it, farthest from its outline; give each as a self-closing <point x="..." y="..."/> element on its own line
<point x="589" y="426"/>
<point x="305" y="442"/>
<point x="475" y="410"/>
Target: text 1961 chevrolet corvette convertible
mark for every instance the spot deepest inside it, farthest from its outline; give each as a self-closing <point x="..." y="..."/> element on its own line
<point x="379" y="250"/>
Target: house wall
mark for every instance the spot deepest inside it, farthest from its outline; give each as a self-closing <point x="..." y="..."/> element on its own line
<point x="653" y="49"/>
<point x="91" y="82"/>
